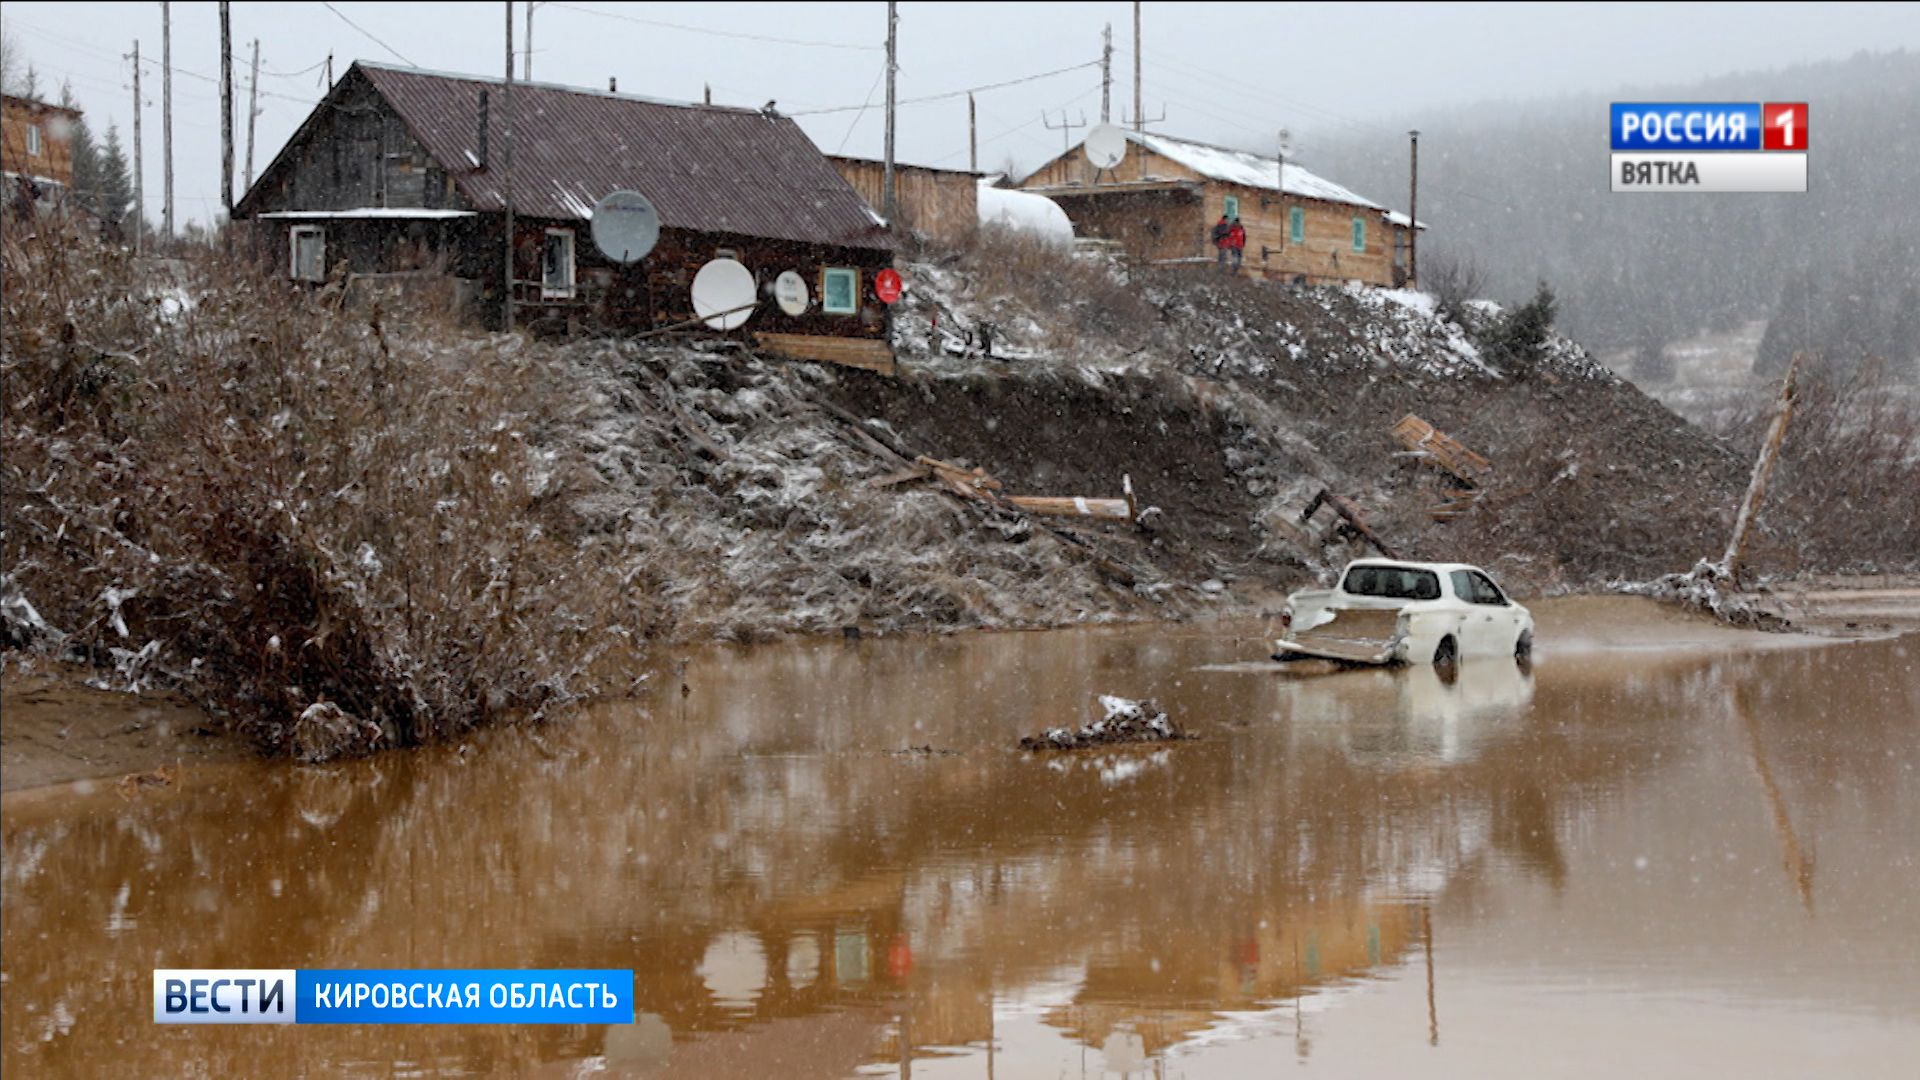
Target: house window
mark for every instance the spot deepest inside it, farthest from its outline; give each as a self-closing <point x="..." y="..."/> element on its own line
<point x="556" y="266"/>
<point x="839" y="290"/>
<point x="1232" y="208"/>
<point x="33" y="140"/>
<point x="1297" y="225"/>
<point x="1359" y="234"/>
<point x="309" y="253"/>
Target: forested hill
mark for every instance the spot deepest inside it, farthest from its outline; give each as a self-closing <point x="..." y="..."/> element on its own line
<point x="1521" y="190"/>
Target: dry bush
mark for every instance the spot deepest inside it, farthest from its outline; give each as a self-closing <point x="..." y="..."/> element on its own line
<point x="338" y="533"/>
<point x="1845" y="495"/>
<point x="1453" y="280"/>
<point x="1084" y="295"/>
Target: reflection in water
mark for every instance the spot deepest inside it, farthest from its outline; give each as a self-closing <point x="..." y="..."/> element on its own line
<point x="796" y="898"/>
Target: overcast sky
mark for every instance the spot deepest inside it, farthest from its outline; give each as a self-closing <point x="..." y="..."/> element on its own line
<point x="1231" y="73"/>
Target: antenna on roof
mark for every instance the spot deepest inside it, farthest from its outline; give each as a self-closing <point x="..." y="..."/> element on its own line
<point x="1280" y="160"/>
<point x="1064" y="127"/>
<point x="1139" y="123"/>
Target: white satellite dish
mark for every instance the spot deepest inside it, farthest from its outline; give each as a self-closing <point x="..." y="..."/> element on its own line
<point x="724" y="294"/>
<point x="790" y="292"/>
<point x="625" y="226"/>
<point x="1106" y="145"/>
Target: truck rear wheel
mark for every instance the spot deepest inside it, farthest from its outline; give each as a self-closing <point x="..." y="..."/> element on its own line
<point x="1447" y="652"/>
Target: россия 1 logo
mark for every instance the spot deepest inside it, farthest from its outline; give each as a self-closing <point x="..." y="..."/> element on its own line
<point x="1709" y="146"/>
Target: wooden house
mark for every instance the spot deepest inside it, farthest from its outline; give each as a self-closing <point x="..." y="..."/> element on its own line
<point x="938" y="204"/>
<point x="36" y="149"/>
<point x="1164" y="197"/>
<point x="399" y="170"/>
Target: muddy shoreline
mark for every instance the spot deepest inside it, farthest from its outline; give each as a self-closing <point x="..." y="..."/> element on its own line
<point x="58" y="730"/>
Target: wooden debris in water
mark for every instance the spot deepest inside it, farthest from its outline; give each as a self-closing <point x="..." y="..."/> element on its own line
<point x="1126" y="721"/>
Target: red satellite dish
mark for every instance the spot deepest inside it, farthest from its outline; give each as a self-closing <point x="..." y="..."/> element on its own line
<point x="886" y="285"/>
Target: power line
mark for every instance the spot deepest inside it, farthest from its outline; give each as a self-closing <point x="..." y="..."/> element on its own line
<point x="368" y="33"/>
<point x="863" y="109"/>
<point x="949" y="95"/>
<point x="735" y="34"/>
<point x="1269" y="92"/>
<point x="1018" y="128"/>
<point x="302" y="73"/>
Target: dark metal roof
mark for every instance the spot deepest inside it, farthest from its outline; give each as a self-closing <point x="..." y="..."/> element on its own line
<point x="705" y="168"/>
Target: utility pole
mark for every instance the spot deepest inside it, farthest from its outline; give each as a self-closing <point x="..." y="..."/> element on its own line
<point x="886" y="176"/>
<point x="527" y="70"/>
<point x="166" y="115"/>
<point x="1139" y="107"/>
<point x="973" y="137"/>
<point x="506" y="165"/>
<point x="139" y="175"/>
<point x="253" y="111"/>
<point x="1730" y="563"/>
<point x="226" y="108"/>
<point x="1106" y="74"/>
<point x="1280" y="166"/>
<point x="1413" y="212"/>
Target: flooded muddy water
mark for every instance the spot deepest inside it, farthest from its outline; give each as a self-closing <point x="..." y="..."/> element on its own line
<point x="826" y="859"/>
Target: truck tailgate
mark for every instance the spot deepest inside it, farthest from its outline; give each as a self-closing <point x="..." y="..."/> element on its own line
<point x="1353" y="636"/>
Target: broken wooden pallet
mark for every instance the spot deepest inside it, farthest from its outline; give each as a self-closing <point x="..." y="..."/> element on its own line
<point x="1446" y="452"/>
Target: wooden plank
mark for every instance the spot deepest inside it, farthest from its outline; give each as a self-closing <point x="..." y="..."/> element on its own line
<point x="872" y="354"/>
<point x="1074" y="506"/>
<point x="1449" y="453"/>
<point x="1351" y="515"/>
<point x="902" y="476"/>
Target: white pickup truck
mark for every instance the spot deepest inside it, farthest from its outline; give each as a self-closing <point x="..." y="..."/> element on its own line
<point x="1390" y="612"/>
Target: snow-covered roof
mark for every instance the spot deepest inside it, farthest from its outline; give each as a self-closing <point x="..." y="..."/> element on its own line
<point x="1395" y="217"/>
<point x="1025" y="211"/>
<point x="1247" y="170"/>
<point x="370" y="213"/>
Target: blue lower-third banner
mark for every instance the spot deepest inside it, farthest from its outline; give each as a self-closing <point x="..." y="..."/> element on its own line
<point x="457" y="996"/>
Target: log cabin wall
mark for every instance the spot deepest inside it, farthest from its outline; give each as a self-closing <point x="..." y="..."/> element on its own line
<point x="1324" y="250"/>
<point x="54" y="159"/>
<point x="358" y="153"/>
<point x="658" y="290"/>
<point x="940" y="204"/>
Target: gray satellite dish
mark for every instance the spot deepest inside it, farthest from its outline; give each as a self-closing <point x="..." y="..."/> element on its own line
<point x="790" y="292"/>
<point x="1105" y="146"/>
<point x="724" y="294"/>
<point x="625" y="226"/>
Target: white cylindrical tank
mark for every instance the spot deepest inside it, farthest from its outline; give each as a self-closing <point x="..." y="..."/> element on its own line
<point x="1024" y="212"/>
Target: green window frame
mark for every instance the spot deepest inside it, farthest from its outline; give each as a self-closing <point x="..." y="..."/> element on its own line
<point x="1297" y="225"/>
<point x="1359" y="234"/>
<point x="1232" y="207"/>
<point x="840" y="290"/>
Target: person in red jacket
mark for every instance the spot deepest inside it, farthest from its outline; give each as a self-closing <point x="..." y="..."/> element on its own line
<point x="1221" y="230"/>
<point x="1236" y="242"/>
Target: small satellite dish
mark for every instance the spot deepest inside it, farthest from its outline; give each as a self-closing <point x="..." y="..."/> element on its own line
<point x="1106" y="145"/>
<point x="625" y="226"/>
<point x="790" y="292"/>
<point x="724" y="294"/>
